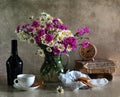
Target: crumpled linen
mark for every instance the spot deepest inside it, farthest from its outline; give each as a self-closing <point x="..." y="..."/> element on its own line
<point x="68" y="80"/>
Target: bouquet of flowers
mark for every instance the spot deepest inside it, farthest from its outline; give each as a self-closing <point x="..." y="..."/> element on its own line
<point x="52" y="38"/>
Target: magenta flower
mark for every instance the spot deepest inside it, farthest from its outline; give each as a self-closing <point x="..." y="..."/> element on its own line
<point x="55" y="21"/>
<point x="56" y="51"/>
<point x="31" y="29"/>
<point x="80" y="31"/>
<point x="48" y="26"/>
<point x="85" y="44"/>
<point x="36" y="23"/>
<point x="61" y="26"/>
<point x="37" y="39"/>
<point x="25" y="26"/>
<point x="70" y="41"/>
<point x="49" y="37"/>
<point x="86" y="29"/>
<point x="18" y="28"/>
<point x="41" y="32"/>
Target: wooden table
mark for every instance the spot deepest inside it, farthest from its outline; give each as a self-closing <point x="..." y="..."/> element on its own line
<point x="96" y="68"/>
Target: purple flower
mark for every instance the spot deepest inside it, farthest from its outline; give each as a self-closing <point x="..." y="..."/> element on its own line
<point x="48" y="26"/>
<point x="70" y="41"/>
<point x="85" y="44"/>
<point x="80" y="31"/>
<point x="55" y="20"/>
<point x="18" y="28"/>
<point x="25" y="26"/>
<point x="49" y="37"/>
<point x="56" y="51"/>
<point x="86" y="29"/>
<point x="61" y="26"/>
<point x="41" y="32"/>
<point x="36" y="24"/>
<point x="31" y="29"/>
<point x="38" y="39"/>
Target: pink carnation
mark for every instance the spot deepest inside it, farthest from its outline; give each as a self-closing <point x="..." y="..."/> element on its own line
<point x="85" y="44"/>
<point x="49" y="37"/>
<point x="80" y="31"/>
<point x="86" y="30"/>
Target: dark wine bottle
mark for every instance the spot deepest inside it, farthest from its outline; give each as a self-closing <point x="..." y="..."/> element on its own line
<point x="14" y="64"/>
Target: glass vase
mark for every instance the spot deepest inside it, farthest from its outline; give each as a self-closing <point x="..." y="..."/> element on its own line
<point x="51" y="67"/>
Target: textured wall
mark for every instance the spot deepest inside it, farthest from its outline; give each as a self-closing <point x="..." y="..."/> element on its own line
<point x="102" y="16"/>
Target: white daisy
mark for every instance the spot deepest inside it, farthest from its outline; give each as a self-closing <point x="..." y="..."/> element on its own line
<point x="44" y="14"/>
<point x="63" y="33"/>
<point x="60" y="21"/>
<point x="49" y="49"/>
<point x="43" y="37"/>
<point x="60" y="37"/>
<point x="49" y="19"/>
<point x="31" y="17"/>
<point x="61" y="47"/>
<point x="60" y="90"/>
<point x="51" y="44"/>
<point x="40" y="52"/>
<point x="43" y="26"/>
<point x="69" y="48"/>
<point x="44" y="42"/>
<point x="42" y="20"/>
<point x="31" y="40"/>
<point x="22" y="36"/>
<point x="69" y="33"/>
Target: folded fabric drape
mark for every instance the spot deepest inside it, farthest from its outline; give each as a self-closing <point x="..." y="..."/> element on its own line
<point x="68" y="79"/>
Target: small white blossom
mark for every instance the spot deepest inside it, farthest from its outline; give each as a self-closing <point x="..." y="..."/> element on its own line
<point x="61" y="22"/>
<point x="49" y="19"/>
<point x="43" y="37"/>
<point x="22" y="36"/>
<point x="51" y="44"/>
<point x="31" y="17"/>
<point x="61" y="47"/>
<point x="60" y="37"/>
<point x="60" y="90"/>
<point x="69" y="33"/>
<point x="40" y="52"/>
<point x="44" y="42"/>
<point x="31" y="40"/>
<point x="49" y="49"/>
<point x="69" y="48"/>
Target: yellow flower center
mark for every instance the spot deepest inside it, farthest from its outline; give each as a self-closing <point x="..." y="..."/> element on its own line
<point x="42" y="19"/>
<point x="59" y="90"/>
<point x="31" y="40"/>
<point x="49" y="18"/>
<point x="60" y="38"/>
<point x="63" y="33"/>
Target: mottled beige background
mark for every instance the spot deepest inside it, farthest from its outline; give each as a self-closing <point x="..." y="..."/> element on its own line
<point x="101" y="16"/>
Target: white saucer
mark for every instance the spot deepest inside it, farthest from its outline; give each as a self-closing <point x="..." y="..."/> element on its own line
<point x="25" y="88"/>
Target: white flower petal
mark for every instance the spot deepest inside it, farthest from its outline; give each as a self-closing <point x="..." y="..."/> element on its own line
<point x="31" y="40"/>
<point x="60" y="89"/>
<point x="49" y="49"/>
<point x="40" y="52"/>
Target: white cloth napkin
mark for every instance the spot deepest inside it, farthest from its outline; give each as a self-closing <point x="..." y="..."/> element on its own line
<point x="68" y="80"/>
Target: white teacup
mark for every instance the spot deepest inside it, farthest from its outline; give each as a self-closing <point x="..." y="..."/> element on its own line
<point x="24" y="80"/>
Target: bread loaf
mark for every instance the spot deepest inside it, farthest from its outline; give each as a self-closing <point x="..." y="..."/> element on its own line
<point x="85" y="81"/>
<point x="38" y="83"/>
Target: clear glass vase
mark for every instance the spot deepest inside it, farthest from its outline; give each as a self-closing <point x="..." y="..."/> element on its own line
<point x="51" y="67"/>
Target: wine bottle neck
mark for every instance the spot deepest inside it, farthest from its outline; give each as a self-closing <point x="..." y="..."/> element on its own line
<point x="14" y="50"/>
